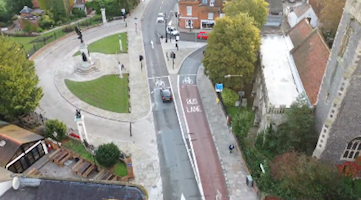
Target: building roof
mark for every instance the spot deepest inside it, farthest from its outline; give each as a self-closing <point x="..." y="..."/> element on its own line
<point x="37" y="11"/>
<point x="74" y="190"/>
<point x="275" y="6"/>
<point x="25" y="10"/>
<point x="315" y="6"/>
<point x="311" y="57"/>
<point x="300" y="32"/>
<point x="301" y="9"/>
<point x="278" y="70"/>
<point x="14" y="137"/>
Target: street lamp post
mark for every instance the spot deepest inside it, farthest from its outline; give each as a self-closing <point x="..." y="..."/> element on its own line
<point x="165" y="27"/>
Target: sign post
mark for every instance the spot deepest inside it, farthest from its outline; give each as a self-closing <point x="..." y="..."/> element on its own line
<point x="219" y="87"/>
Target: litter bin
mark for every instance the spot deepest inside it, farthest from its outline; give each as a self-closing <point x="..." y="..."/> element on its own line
<point x="249" y="181"/>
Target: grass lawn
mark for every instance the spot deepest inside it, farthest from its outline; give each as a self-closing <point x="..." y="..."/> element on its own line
<point x="119" y="168"/>
<point x="107" y="92"/>
<point x="108" y="45"/>
<point x="25" y="41"/>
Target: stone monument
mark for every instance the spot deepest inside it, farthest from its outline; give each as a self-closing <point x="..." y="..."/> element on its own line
<point x="103" y="15"/>
<point x="86" y="65"/>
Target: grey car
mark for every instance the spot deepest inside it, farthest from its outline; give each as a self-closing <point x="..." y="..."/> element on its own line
<point x="166" y="95"/>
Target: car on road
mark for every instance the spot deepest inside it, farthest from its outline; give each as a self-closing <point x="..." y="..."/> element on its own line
<point x="202" y="35"/>
<point x="160" y="18"/>
<point x="166" y="95"/>
<point x="172" y="31"/>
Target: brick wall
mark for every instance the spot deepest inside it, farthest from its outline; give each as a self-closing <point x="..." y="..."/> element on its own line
<point x="183" y="11"/>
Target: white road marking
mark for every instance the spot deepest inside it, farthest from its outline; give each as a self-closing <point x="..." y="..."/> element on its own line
<point x="157" y="77"/>
<point x="187" y="74"/>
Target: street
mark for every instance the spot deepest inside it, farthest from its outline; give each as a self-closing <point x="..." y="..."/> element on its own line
<point x="176" y="170"/>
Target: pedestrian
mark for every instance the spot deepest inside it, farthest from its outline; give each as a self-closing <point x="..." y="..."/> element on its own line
<point x="231" y="147"/>
<point x="176" y="45"/>
<point x="123" y="68"/>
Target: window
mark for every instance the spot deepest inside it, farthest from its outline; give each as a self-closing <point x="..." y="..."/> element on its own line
<point x="352" y="150"/>
<point x="210" y="15"/>
<point x="211" y="3"/>
<point x="204" y="2"/>
<point x="345" y="41"/>
<point x="189" y="10"/>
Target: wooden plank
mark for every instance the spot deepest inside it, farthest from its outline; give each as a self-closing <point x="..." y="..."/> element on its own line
<point x="76" y="166"/>
<point x="83" y="168"/>
<point x="60" y="157"/>
<point x="54" y="153"/>
<point x="87" y="172"/>
<point x="62" y="161"/>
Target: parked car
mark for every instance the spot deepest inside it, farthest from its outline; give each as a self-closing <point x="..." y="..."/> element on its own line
<point x="160" y="18"/>
<point x="202" y="35"/>
<point x="172" y="31"/>
<point x="166" y="95"/>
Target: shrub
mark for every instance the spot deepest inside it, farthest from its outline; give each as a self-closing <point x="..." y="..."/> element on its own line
<point x="68" y="29"/>
<point x="55" y="126"/>
<point x="15" y="17"/>
<point x="46" y="22"/>
<point x="229" y="97"/>
<point x="107" y="154"/>
<point x="39" y="30"/>
<point x="78" y="13"/>
<point x="241" y="124"/>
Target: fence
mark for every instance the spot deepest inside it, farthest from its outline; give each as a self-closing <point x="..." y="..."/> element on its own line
<point x="39" y="42"/>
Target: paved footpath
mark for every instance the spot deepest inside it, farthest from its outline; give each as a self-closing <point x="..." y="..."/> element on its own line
<point x="232" y="163"/>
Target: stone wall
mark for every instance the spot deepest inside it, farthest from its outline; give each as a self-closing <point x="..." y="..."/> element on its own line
<point x="338" y="104"/>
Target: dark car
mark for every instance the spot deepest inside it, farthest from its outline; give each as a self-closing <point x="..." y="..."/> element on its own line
<point x="166" y="95"/>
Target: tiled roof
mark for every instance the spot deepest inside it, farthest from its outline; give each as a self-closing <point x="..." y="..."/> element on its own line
<point x="311" y="57"/>
<point x="300" y="32"/>
<point x="302" y="9"/>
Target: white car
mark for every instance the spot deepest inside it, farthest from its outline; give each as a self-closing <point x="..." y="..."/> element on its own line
<point x="160" y="18"/>
<point x="172" y="31"/>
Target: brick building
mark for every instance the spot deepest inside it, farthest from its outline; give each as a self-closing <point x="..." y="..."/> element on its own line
<point x="199" y="14"/>
<point x="338" y="111"/>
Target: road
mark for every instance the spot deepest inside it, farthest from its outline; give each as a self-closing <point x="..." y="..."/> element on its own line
<point x="176" y="171"/>
<point x="210" y="169"/>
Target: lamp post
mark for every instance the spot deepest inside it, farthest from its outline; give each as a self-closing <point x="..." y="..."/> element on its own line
<point x="240" y="93"/>
<point x="165" y="27"/>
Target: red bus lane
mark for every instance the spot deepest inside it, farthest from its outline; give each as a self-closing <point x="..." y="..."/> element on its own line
<point x="210" y="170"/>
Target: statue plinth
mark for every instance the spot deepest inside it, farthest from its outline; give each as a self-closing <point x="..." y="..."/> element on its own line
<point x="86" y="64"/>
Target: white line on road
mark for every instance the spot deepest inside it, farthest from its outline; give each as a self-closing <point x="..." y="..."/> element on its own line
<point x="157" y="77"/>
<point x="187" y="74"/>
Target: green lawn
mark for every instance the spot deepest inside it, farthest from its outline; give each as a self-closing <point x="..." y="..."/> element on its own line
<point x="108" y="92"/>
<point x="108" y="45"/>
<point x="25" y="41"/>
<point x="119" y="168"/>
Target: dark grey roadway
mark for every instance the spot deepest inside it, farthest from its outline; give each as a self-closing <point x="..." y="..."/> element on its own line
<point x="176" y="171"/>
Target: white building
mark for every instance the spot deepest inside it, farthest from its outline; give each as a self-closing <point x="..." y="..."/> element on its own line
<point x="298" y="13"/>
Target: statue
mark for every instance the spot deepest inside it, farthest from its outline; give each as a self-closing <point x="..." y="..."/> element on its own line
<point x="78" y="32"/>
<point x="84" y="57"/>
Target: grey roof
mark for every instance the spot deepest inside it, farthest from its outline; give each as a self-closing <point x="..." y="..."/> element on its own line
<point x="37" y="11"/>
<point x="26" y="10"/>
<point x="66" y="190"/>
<point x="275" y="6"/>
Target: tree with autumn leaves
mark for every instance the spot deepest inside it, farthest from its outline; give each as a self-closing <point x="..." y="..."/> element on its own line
<point x="330" y="15"/>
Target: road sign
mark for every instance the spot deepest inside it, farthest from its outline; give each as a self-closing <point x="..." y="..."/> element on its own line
<point x="219" y="87"/>
<point x="129" y="164"/>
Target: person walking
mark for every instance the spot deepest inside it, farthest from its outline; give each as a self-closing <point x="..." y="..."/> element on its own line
<point x="231" y="147"/>
<point x="176" y="45"/>
<point x="123" y="68"/>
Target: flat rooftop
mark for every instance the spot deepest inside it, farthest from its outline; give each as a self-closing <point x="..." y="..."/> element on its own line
<point x="279" y="70"/>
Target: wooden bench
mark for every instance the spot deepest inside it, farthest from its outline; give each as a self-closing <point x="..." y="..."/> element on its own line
<point x="77" y="165"/>
<point x="61" y="155"/>
<point x="83" y="168"/>
<point x="62" y="161"/>
<point x="52" y="155"/>
<point x="87" y="172"/>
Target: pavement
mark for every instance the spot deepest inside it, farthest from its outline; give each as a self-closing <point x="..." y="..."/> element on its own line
<point x="233" y="165"/>
<point x="142" y="144"/>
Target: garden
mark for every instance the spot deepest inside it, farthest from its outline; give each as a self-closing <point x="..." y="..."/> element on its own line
<point x="108" y="92"/>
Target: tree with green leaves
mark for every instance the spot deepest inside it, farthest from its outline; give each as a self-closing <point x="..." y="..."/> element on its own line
<point x="303" y="177"/>
<point x="19" y="91"/>
<point x="232" y="49"/>
<point x="258" y="9"/>
<point x="55" y="129"/>
<point x="14" y="7"/>
<point x="107" y="154"/>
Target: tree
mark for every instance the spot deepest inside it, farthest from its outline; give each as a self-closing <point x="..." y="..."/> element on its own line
<point x="55" y="129"/>
<point x="330" y="15"/>
<point x="14" y="7"/>
<point x="46" y="22"/>
<point x="232" y="49"/>
<point x="107" y="154"/>
<point x="258" y="9"/>
<point x="19" y="93"/>
<point x="305" y="178"/>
